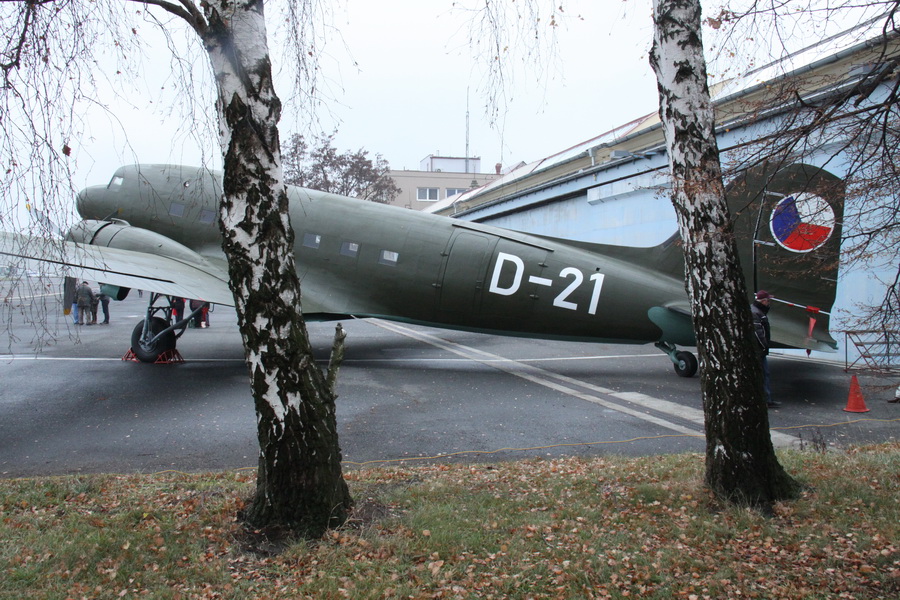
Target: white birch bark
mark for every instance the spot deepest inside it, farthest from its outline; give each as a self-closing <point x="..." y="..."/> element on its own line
<point x="299" y="484"/>
<point x="740" y="460"/>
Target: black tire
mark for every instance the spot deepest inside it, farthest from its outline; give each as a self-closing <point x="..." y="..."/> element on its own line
<point x="686" y="365"/>
<point x="148" y="353"/>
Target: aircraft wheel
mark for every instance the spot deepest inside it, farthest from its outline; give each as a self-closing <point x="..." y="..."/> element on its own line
<point x="148" y="353"/>
<point x="686" y="365"/>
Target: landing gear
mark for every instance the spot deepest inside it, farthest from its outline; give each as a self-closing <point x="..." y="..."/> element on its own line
<point x="158" y="338"/>
<point x="156" y="335"/>
<point x="685" y="362"/>
<point x="686" y="365"/>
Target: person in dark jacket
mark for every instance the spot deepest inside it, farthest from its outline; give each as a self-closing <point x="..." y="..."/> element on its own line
<point x="760" y="311"/>
<point x="177" y="308"/>
<point x="95" y="306"/>
<point x="104" y="304"/>
<point x="84" y="297"/>
<point x="197" y="321"/>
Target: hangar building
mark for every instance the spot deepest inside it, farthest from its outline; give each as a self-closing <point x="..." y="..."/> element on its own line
<point x="613" y="188"/>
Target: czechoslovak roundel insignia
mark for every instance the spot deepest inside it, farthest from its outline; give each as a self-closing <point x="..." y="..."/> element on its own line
<point x="802" y="222"/>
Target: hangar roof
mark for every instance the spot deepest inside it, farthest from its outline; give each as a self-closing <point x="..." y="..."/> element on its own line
<point x="830" y="64"/>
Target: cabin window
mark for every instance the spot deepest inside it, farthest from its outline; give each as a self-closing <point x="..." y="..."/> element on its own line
<point x="116" y="181"/>
<point x="389" y="258"/>
<point x="427" y="194"/>
<point x="176" y="209"/>
<point x="312" y="240"/>
<point x="207" y="216"/>
<point x="349" y="249"/>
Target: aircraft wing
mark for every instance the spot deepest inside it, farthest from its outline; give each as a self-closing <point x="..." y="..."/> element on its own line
<point x="124" y="268"/>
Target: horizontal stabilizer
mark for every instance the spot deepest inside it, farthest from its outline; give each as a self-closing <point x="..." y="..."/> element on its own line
<point x="676" y="324"/>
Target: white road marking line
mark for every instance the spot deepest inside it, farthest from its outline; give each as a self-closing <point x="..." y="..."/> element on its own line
<point x="12" y="357"/>
<point x="32" y="297"/>
<point x="544" y="378"/>
<point x="498" y="360"/>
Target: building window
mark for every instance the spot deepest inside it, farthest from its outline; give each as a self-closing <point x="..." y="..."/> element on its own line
<point x="311" y="240"/>
<point x="388" y="258"/>
<point x="427" y="194"/>
<point x="349" y="249"/>
<point x="454" y="191"/>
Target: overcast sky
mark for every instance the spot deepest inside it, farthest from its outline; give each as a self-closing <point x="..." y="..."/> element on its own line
<point x="400" y="76"/>
<point x="417" y="78"/>
<point x="406" y="80"/>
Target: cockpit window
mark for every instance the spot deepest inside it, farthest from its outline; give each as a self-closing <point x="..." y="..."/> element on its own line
<point x="116" y="181"/>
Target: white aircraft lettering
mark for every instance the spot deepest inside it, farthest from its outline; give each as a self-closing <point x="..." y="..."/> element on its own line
<point x="597" y="278"/>
<point x="503" y="257"/>
<point x="561" y="300"/>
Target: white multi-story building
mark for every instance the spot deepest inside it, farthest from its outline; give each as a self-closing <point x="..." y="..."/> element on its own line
<point x="439" y="178"/>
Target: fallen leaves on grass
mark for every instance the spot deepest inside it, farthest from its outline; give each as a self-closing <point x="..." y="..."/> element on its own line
<point x="565" y="528"/>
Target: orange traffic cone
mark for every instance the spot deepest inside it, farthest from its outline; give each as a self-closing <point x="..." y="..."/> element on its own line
<point x="855" y="402"/>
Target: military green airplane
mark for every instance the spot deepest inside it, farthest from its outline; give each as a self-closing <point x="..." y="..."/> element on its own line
<point x="154" y="227"/>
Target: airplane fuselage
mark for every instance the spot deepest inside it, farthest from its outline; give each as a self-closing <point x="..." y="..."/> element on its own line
<point x="372" y="260"/>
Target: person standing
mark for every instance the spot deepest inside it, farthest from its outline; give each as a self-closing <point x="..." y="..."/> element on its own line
<point x="763" y="334"/>
<point x="95" y="305"/>
<point x="201" y="319"/>
<point x="84" y="297"/>
<point x="104" y="304"/>
<point x="177" y="305"/>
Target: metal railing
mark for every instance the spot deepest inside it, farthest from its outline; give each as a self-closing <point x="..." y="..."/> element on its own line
<point x="879" y="350"/>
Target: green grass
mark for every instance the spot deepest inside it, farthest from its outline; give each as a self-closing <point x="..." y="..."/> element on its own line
<point x="606" y="527"/>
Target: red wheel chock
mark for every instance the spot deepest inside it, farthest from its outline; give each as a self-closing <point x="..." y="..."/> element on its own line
<point x="169" y="357"/>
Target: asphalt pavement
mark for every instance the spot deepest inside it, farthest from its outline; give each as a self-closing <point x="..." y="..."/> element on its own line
<point x="69" y="403"/>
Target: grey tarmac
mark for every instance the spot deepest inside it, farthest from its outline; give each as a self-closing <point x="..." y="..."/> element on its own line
<point x="70" y="404"/>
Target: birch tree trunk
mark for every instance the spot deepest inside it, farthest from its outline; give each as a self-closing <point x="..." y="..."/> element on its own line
<point x="299" y="484"/>
<point x="741" y="465"/>
<point x="51" y="55"/>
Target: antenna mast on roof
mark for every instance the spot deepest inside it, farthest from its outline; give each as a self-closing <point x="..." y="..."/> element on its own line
<point x="467" y="129"/>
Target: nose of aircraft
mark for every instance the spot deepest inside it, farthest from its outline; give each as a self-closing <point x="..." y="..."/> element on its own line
<point x="96" y="202"/>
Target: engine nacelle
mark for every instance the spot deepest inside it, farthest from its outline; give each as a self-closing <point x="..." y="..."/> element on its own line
<point x="114" y="291"/>
<point x="125" y="237"/>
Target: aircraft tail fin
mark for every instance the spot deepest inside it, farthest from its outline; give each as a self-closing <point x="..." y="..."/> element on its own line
<point x="787" y="223"/>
